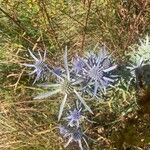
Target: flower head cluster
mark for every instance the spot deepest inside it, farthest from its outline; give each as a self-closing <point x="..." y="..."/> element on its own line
<point x="92" y="71"/>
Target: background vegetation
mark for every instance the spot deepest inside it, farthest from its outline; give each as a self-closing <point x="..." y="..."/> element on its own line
<point x="27" y="124"/>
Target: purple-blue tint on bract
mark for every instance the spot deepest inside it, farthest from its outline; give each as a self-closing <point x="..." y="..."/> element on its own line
<point x="78" y="65"/>
<point x="58" y="71"/>
<point x="41" y="68"/>
<point x="74" y="118"/>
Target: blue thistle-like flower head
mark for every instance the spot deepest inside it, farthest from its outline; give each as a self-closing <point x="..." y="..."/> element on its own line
<point x="98" y="71"/>
<point x="76" y="135"/>
<point x="74" y="118"/>
<point x="73" y="135"/>
<point x="41" y="68"/>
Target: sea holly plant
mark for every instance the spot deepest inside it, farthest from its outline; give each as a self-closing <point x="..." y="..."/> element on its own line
<point x="65" y="85"/>
<point x="92" y="74"/>
<point x="41" y="69"/>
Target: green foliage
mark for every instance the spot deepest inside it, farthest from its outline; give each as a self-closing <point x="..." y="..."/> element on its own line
<point x="140" y="50"/>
